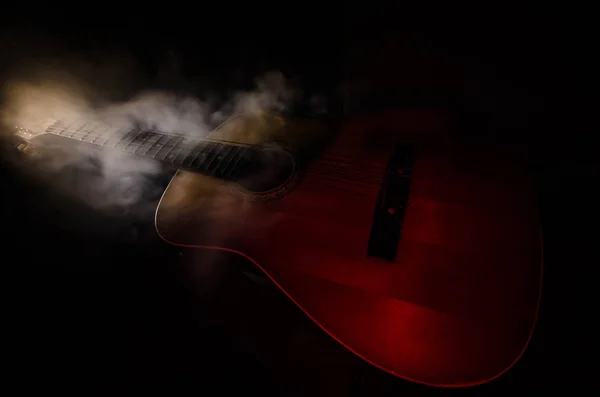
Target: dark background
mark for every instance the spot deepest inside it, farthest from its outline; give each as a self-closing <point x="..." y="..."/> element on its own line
<point x="95" y="302"/>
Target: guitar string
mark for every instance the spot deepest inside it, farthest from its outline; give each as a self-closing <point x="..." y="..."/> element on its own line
<point x="352" y="183"/>
<point x="318" y="180"/>
<point x="75" y="135"/>
<point x="209" y="141"/>
<point x="80" y="137"/>
<point x="361" y="175"/>
<point x="131" y="143"/>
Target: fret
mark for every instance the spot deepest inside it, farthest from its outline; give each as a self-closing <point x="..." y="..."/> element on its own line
<point x="77" y="130"/>
<point x="165" y="147"/>
<point x="207" y="155"/>
<point x="231" y="154"/>
<point x="182" y="156"/>
<point x="98" y="136"/>
<point x="237" y="161"/>
<point x="218" y="157"/>
<point x="214" y="152"/>
<point x="114" y="136"/>
<point x="80" y="126"/>
<point x="122" y="140"/>
<point x="177" y="140"/>
<point x="157" y="146"/>
<point x="137" y="143"/>
<point x="68" y="128"/>
<point x="55" y="128"/>
<point x="89" y="132"/>
<point x="172" y="154"/>
<point x="140" y="144"/>
<point x="100" y="130"/>
<point x="222" y="157"/>
<point x="97" y="129"/>
<point x="65" y="128"/>
<point x="151" y="142"/>
<point x="200" y="155"/>
<point x="59" y="129"/>
<point x="224" y="164"/>
<point x="106" y="135"/>
<point x="132" y="146"/>
<point x="196" y="155"/>
<point x="126" y="139"/>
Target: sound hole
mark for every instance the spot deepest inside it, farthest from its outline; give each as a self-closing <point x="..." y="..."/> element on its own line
<point x="266" y="169"/>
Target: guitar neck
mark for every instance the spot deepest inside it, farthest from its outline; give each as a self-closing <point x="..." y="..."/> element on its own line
<point x="212" y="158"/>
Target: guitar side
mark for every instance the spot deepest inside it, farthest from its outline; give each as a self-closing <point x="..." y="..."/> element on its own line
<point x="458" y="304"/>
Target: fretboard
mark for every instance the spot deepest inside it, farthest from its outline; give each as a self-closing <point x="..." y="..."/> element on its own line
<point x="213" y="158"/>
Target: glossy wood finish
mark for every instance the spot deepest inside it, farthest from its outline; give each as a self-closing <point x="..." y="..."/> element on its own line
<point x="459" y="303"/>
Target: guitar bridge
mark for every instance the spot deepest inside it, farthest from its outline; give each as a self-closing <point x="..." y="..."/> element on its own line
<point x="391" y="205"/>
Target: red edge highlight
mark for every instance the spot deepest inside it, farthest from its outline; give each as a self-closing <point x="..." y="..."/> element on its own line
<point x="453" y="385"/>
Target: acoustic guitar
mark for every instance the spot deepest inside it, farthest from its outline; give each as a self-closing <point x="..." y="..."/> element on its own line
<point x="418" y="251"/>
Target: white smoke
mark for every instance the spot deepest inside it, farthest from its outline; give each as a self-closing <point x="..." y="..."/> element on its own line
<point x="119" y="179"/>
<point x="111" y="89"/>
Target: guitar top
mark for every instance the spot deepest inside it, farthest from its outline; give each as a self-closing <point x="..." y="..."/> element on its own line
<point x="418" y="252"/>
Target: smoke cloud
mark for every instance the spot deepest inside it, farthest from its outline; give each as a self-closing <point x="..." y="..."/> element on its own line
<point x="111" y="92"/>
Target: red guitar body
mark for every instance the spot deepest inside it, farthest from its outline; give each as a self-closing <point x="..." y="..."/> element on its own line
<point x="457" y="305"/>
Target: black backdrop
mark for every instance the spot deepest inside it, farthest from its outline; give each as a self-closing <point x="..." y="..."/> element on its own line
<point x="95" y="302"/>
